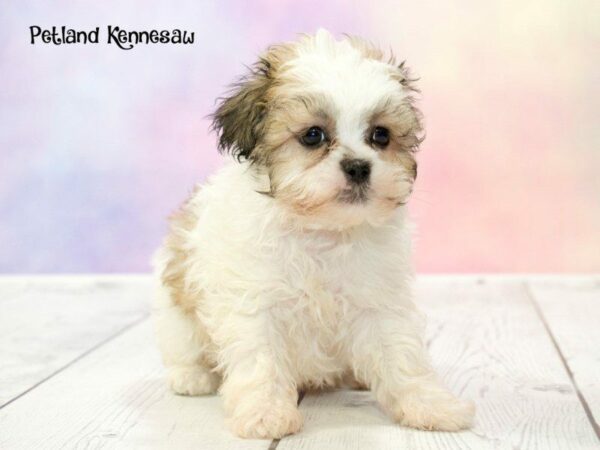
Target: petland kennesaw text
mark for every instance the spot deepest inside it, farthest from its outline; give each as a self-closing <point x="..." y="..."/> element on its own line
<point x="124" y="39"/>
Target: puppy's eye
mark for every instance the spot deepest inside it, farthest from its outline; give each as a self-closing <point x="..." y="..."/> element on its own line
<point x="313" y="137"/>
<point x="380" y="136"/>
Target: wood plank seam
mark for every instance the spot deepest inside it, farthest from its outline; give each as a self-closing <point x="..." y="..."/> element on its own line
<point x="136" y="408"/>
<point x="275" y="442"/>
<point x="582" y="400"/>
<point x="78" y="358"/>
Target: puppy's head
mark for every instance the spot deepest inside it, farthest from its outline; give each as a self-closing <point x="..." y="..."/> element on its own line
<point x="333" y="126"/>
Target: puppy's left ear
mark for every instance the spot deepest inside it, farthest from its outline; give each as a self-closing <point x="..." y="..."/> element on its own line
<point x="406" y="79"/>
<point x="414" y="135"/>
<point x="240" y="117"/>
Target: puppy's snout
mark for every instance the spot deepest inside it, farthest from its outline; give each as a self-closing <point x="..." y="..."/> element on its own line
<point x="357" y="171"/>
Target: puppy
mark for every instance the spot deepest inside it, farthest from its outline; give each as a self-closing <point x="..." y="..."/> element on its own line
<point x="290" y="269"/>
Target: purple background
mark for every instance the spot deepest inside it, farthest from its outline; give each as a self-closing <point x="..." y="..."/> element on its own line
<point x="98" y="145"/>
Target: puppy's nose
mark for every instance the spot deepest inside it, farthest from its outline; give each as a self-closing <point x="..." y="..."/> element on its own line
<point x="356" y="170"/>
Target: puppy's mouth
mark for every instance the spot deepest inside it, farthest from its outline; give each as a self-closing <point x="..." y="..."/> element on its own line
<point x="354" y="194"/>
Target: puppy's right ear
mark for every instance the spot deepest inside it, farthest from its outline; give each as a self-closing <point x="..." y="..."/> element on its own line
<point x="240" y="117"/>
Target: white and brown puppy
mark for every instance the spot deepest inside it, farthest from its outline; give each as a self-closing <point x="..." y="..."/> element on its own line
<point x="290" y="268"/>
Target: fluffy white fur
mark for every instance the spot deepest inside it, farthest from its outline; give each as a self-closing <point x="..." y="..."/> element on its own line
<point x="283" y="299"/>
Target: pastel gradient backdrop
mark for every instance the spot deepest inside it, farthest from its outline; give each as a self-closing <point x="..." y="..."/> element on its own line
<point x="98" y="145"/>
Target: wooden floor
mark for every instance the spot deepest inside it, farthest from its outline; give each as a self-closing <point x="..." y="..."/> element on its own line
<point x="79" y="369"/>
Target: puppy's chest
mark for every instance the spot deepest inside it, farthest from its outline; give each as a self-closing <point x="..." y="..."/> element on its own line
<point x="324" y="278"/>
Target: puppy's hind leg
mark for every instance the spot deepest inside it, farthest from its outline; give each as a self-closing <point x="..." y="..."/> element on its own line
<point x="183" y="344"/>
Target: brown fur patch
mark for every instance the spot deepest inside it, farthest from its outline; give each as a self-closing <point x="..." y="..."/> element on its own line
<point x="368" y="49"/>
<point x="403" y="158"/>
<point x="174" y="273"/>
<point x="290" y="117"/>
<point x="403" y="121"/>
<point x="240" y="116"/>
<point x="399" y="72"/>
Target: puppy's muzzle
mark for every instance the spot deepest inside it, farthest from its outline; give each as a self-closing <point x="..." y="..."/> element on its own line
<point x="357" y="171"/>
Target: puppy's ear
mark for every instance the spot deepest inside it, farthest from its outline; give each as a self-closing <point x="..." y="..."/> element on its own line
<point x="413" y="137"/>
<point x="406" y="78"/>
<point x="240" y="116"/>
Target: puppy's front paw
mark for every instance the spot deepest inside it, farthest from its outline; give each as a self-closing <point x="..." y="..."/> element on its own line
<point x="192" y="380"/>
<point x="266" y="421"/>
<point x="433" y="410"/>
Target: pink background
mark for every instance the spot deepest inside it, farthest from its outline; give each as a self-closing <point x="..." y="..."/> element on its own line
<point x="98" y="145"/>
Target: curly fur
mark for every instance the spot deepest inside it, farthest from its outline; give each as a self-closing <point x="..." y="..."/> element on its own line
<point x="263" y="295"/>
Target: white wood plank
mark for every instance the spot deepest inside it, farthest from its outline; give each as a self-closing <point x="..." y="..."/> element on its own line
<point x="489" y="345"/>
<point x="45" y="322"/>
<point x="116" y="397"/>
<point x="571" y="310"/>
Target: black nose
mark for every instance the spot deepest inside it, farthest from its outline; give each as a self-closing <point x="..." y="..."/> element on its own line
<point x="356" y="170"/>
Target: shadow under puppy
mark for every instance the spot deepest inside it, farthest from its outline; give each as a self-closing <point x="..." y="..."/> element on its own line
<point x="290" y="268"/>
